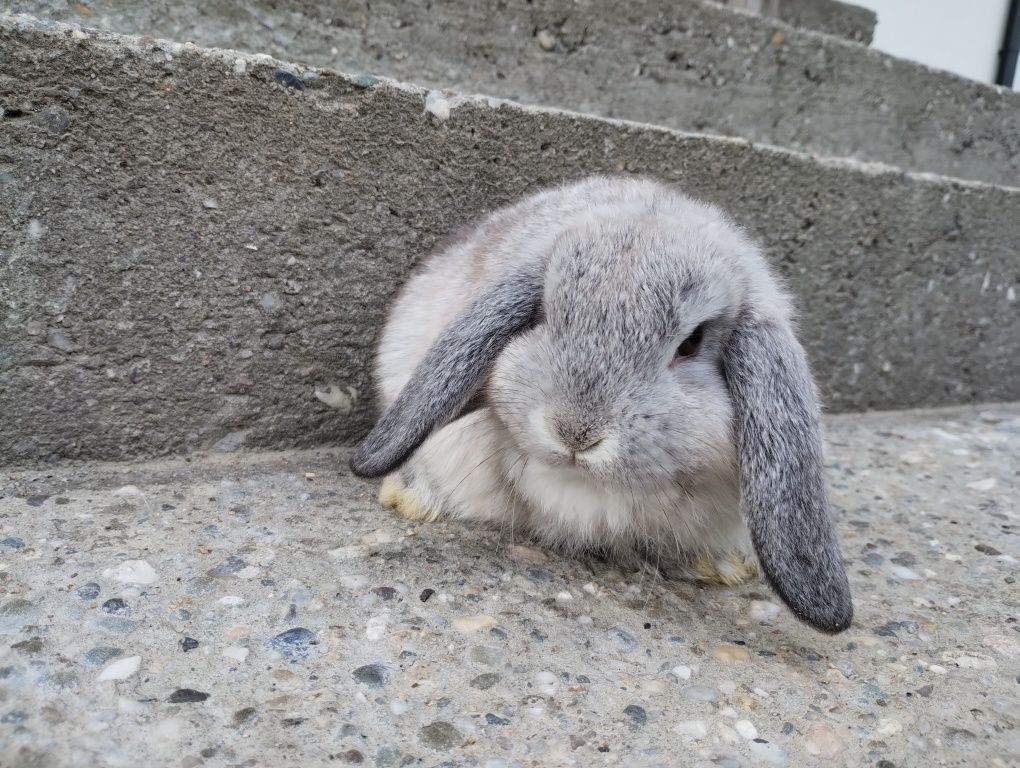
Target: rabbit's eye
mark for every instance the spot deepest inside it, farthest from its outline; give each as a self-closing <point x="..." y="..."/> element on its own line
<point x="689" y="347"/>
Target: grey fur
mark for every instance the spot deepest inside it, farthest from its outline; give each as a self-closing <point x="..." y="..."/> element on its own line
<point x="446" y="381"/>
<point x="782" y="489"/>
<point x="585" y="428"/>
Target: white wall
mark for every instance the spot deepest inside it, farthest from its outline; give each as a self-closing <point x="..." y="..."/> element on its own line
<point x="962" y="36"/>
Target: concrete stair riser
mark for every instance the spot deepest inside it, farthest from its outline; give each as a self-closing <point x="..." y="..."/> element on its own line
<point x="192" y="248"/>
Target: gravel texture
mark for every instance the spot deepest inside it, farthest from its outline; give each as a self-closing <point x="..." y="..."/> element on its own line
<point x="269" y="612"/>
<point x="198" y="247"/>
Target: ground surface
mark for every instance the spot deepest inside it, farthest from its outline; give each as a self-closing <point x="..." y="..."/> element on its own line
<point x="263" y="610"/>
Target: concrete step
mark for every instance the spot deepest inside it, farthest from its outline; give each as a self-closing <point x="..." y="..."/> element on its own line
<point x="829" y="16"/>
<point x="683" y="64"/>
<point x="447" y="643"/>
<point x="198" y="246"/>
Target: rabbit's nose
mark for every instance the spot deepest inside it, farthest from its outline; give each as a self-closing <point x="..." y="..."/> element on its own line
<point x="578" y="439"/>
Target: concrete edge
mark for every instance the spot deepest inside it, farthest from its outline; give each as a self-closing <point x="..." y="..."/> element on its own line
<point x="441" y="103"/>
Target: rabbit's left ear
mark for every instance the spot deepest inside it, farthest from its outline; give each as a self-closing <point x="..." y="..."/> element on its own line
<point x="782" y="483"/>
<point x="445" y="384"/>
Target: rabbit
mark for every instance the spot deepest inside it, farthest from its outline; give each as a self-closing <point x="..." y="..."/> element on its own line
<point x="610" y="367"/>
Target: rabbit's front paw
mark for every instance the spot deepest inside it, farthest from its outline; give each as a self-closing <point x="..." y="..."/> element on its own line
<point x="730" y="569"/>
<point x="407" y="501"/>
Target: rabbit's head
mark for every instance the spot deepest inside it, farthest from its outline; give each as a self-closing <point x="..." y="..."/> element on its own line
<point x="643" y="347"/>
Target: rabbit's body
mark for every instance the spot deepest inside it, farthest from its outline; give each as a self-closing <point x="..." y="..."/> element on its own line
<point x="473" y="469"/>
<point x="611" y="367"/>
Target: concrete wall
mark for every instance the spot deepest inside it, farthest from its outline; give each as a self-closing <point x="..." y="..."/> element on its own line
<point x="679" y="63"/>
<point x="189" y="248"/>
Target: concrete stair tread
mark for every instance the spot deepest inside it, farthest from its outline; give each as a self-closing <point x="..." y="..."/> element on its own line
<point x="442" y="640"/>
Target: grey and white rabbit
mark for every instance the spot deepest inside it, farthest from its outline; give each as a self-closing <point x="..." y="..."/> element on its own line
<point x="610" y="366"/>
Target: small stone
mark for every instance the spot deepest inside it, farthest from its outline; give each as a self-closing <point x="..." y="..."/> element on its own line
<point x="519" y="552"/>
<point x="682" y="672"/>
<point x="546" y="40"/>
<point x="231" y="600"/>
<point x="244" y="716"/>
<point x="386" y="593"/>
<point x="399" y="707"/>
<point x="288" y="79"/>
<point x="364" y="80"/>
<point x="128" y="491"/>
<point x="985" y="549"/>
<point x="983" y="485"/>
<point x="547" y="682"/>
<point x="925" y="691"/>
<point x="132" y="572"/>
<point x="492" y="719"/>
<point x="763" y="611"/>
<point x="294" y="645"/>
<point x="731" y="654"/>
<point x="88" y="591"/>
<point x="767" y="752"/>
<point x="96" y="657"/>
<point x="823" y="742"/>
<point x="889" y="727"/>
<point x="636" y="713"/>
<point x="339" y="399"/>
<point x="36" y="500"/>
<point x="484" y="681"/>
<point x="12" y="542"/>
<point x="695" y="729"/>
<point x="31" y="646"/>
<point x="121" y="669"/>
<point x="187" y="696"/>
<point x="372" y="675"/>
<point x="236" y="652"/>
<point x="746" y="729"/>
<point x="438" y="106"/>
<point x="60" y="340"/>
<point x="188" y="644"/>
<point x="210" y="204"/>
<point x="115" y="607"/>
<point x="468" y="624"/>
<point x="904" y="573"/>
<point x="699" y="693"/>
<point x="486" y="655"/>
<point x="426" y="594"/>
<point x="440" y="735"/>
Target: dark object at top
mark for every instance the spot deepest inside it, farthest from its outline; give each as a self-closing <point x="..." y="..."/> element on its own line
<point x="288" y="79"/>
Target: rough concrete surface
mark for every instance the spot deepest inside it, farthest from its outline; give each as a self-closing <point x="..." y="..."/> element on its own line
<point x="195" y="253"/>
<point x="829" y="16"/>
<point x="677" y="63"/>
<point x="262" y="610"/>
<point x="191" y="249"/>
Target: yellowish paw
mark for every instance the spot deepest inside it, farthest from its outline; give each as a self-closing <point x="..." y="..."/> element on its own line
<point x="394" y="494"/>
<point x="728" y="570"/>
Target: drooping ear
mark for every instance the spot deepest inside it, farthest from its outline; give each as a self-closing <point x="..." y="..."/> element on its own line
<point x="445" y="382"/>
<point x="782" y="483"/>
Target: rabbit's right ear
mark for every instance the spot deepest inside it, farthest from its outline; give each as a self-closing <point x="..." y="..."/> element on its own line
<point x="782" y="482"/>
<point x="453" y="369"/>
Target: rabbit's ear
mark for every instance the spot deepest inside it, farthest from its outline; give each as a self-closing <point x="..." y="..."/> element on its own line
<point x="445" y="383"/>
<point x="782" y="483"/>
